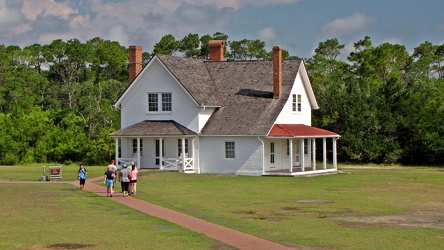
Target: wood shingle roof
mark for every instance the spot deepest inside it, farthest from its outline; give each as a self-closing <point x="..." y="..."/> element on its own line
<point x="242" y="89"/>
<point x="154" y="128"/>
<point x="194" y="77"/>
<point x="247" y="91"/>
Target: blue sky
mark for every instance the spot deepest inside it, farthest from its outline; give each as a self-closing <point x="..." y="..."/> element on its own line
<point x="297" y="25"/>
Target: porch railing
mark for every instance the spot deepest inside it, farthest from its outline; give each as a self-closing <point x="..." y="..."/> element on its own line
<point x="176" y="164"/>
<point x="127" y="161"/>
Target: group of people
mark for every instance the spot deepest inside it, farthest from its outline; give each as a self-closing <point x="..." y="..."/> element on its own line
<point x="127" y="177"/>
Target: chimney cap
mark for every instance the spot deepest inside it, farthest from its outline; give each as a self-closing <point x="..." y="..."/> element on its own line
<point x="216" y="43"/>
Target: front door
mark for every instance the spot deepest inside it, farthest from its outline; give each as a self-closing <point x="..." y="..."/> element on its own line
<point x="297" y="152"/>
<point x="157" y="158"/>
<point x="272" y="155"/>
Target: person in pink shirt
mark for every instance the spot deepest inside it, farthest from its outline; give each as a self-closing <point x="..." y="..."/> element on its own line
<point x="133" y="179"/>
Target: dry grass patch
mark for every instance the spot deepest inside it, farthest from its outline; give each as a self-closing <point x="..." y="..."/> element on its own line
<point x="420" y="219"/>
<point x="61" y="246"/>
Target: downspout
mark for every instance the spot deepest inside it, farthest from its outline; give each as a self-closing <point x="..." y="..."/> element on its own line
<point x="263" y="155"/>
<point x="195" y="159"/>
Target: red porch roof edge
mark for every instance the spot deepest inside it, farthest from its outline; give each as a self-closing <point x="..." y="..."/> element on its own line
<point x="299" y="130"/>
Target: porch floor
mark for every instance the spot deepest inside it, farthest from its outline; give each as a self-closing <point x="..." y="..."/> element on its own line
<point x="297" y="171"/>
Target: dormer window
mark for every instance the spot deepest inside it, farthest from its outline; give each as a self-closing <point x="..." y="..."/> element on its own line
<point x="159" y="103"/>
<point x="297" y="103"/>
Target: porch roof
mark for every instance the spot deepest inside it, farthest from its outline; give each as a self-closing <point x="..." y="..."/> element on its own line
<point x="299" y="130"/>
<point x="154" y="128"/>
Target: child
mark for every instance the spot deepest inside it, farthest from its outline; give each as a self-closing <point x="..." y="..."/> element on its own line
<point x="81" y="175"/>
<point x="108" y="180"/>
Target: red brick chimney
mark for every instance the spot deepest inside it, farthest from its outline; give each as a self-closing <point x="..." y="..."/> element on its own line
<point x="216" y="48"/>
<point x="135" y="62"/>
<point x="277" y="71"/>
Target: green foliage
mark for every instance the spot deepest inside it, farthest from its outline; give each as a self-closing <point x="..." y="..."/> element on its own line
<point x="383" y="103"/>
<point x="56" y="99"/>
<point x="168" y="45"/>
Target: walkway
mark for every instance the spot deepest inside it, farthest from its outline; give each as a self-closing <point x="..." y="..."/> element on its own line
<point x="217" y="232"/>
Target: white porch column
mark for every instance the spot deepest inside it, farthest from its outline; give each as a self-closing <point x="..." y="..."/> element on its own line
<point x="302" y="155"/>
<point x="138" y="153"/>
<point x="314" y="153"/>
<point x="324" y="152"/>
<point x="309" y="151"/>
<point x="290" y="148"/>
<point x="160" y="153"/>
<point x="183" y="153"/>
<point x="117" y="150"/>
<point x="335" y="163"/>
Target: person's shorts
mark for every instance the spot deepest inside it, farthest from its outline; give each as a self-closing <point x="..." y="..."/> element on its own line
<point x="133" y="181"/>
<point x="124" y="186"/>
<point x="82" y="181"/>
<point x="109" y="182"/>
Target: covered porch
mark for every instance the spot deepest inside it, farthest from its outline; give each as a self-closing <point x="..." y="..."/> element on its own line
<point x="290" y="150"/>
<point x="164" y="145"/>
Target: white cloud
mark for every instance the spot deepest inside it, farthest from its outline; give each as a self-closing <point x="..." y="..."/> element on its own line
<point x="25" y="22"/>
<point x="267" y="34"/>
<point x="11" y="19"/>
<point x="347" y="25"/>
<point x="33" y="9"/>
<point x="269" y="2"/>
<point x="392" y="40"/>
<point x="9" y="12"/>
<point x="348" y="48"/>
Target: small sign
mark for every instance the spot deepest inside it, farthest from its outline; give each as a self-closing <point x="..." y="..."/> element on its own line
<point x="55" y="173"/>
<point x="54" y="170"/>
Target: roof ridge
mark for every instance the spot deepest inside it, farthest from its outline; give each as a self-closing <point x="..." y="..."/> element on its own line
<point x="279" y="125"/>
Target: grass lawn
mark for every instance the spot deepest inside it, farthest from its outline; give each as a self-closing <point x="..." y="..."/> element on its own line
<point x="364" y="208"/>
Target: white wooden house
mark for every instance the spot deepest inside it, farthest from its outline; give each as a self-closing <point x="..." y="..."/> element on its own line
<point x="225" y="117"/>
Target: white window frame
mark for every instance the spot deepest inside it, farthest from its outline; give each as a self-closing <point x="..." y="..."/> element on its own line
<point x="228" y="150"/>
<point x="160" y="103"/>
<point x="297" y="102"/>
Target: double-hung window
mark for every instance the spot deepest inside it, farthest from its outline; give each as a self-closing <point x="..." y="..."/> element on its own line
<point x="297" y="103"/>
<point x="159" y="102"/>
<point x="229" y="150"/>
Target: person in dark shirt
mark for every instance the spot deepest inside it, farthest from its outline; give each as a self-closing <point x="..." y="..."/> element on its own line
<point x="81" y="175"/>
<point x="108" y="180"/>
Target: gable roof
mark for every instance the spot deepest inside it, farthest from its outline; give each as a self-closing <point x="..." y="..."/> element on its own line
<point x="241" y="91"/>
<point x="299" y="130"/>
<point x="153" y="128"/>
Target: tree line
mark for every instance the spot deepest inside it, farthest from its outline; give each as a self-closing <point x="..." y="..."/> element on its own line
<point x="56" y="100"/>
